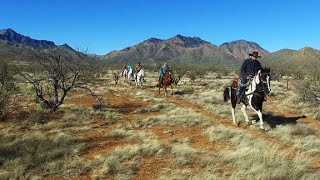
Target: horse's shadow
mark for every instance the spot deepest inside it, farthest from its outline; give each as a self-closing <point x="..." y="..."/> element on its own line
<point x="274" y="120"/>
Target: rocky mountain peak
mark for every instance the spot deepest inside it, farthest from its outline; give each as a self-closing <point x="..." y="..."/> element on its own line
<point x="241" y="48"/>
<point x="152" y="41"/>
<point x="188" y="42"/>
<point x="11" y="36"/>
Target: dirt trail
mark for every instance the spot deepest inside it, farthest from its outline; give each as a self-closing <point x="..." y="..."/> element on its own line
<point x="126" y="104"/>
<point x="271" y="141"/>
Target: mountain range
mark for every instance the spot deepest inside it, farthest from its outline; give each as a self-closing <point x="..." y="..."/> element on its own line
<point x="181" y="49"/>
<point x="178" y="49"/>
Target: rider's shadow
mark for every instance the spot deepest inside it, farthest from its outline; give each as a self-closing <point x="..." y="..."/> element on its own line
<point x="274" y="120"/>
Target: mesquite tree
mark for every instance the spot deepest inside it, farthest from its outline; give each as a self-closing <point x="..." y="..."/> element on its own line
<point x="54" y="74"/>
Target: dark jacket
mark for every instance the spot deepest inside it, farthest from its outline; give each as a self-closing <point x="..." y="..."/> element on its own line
<point x="250" y="68"/>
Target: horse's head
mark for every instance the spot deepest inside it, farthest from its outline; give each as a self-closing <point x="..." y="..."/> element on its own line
<point x="264" y="79"/>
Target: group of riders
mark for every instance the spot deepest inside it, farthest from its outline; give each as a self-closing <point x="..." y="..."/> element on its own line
<point x="248" y="69"/>
<point x="163" y="70"/>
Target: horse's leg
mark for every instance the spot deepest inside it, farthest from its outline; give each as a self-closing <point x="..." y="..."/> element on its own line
<point x="258" y="109"/>
<point x="165" y="90"/>
<point x="140" y="81"/>
<point x="171" y="89"/>
<point x="233" y="116"/>
<point x="233" y="105"/>
<point x="136" y="81"/>
<point x="243" y="109"/>
<point x="260" y="117"/>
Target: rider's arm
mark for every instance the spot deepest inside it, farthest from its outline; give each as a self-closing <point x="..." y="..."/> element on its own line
<point x="244" y="69"/>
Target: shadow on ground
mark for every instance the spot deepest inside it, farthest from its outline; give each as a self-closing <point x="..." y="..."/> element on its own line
<point x="274" y="120"/>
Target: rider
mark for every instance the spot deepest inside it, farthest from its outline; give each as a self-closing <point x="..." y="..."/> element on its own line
<point x="248" y="69"/>
<point x="138" y="68"/>
<point x="163" y="70"/>
<point x="124" y="67"/>
<point x="129" y="67"/>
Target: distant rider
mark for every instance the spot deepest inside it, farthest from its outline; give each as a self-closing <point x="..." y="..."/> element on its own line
<point x="163" y="70"/>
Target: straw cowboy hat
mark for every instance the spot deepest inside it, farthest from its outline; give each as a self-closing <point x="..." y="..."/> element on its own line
<point x="255" y="54"/>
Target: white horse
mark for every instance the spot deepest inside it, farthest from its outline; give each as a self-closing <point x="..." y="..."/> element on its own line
<point x="139" y="78"/>
<point x="125" y="73"/>
<point x="129" y="75"/>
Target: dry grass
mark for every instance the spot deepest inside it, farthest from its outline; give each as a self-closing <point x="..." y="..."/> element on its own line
<point x="39" y="147"/>
<point x="125" y="161"/>
<point x="184" y="155"/>
<point x="177" y="116"/>
<point x="304" y="138"/>
<point x="254" y="161"/>
<point x="30" y="155"/>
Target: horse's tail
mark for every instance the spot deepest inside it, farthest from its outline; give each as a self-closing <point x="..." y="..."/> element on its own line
<point x="226" y="94"/>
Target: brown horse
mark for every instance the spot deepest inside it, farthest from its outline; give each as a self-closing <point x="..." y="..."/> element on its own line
<point x="166" y="81"/>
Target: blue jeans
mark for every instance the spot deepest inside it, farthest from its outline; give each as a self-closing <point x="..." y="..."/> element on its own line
<point x="241" y="88"/>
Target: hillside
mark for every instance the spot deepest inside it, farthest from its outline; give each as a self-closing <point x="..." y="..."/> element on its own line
<point x="241" y="48"/>
<point x="291" y="59"/>
<point x="19" y="47"/>
<point x="181" y="49"/>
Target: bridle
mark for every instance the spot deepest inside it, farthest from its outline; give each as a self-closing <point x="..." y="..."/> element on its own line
<point x="264" y="83"/>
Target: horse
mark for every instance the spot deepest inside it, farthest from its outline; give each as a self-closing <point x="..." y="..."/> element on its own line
<point x="124" y="73"/>
<point x="166" y="81"/>
<point x="254" y="96"/>
<point x="139" y="78"/>
<point x="129" y="75"/>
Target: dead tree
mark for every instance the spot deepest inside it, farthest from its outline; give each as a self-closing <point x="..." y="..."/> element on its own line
<point x="53" y="75"/>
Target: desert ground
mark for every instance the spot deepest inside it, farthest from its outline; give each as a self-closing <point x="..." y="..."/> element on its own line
<point x="141" y="134"/>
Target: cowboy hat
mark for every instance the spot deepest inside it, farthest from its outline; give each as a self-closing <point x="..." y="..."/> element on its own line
<point x="255" y="54"/>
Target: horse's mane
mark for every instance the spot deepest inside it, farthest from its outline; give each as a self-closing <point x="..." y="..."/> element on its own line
<point x="265" y="70"/>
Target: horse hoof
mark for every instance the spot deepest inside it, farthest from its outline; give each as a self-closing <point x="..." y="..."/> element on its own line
<point x="262" y="128"/>
<point x="236" y="124"/>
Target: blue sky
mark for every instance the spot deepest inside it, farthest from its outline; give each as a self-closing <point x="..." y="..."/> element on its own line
<point x="103" y="26"/>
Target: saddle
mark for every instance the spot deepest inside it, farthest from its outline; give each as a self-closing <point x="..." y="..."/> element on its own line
<point x="236" y="83"/>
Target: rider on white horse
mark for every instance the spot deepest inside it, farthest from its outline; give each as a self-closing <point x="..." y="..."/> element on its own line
<point x="249" y="68"/>
<point x="137" y="68"/>
<point x="123" y="69"/>
<point x="129" y="69"/>
<point x="139" y="78"/>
